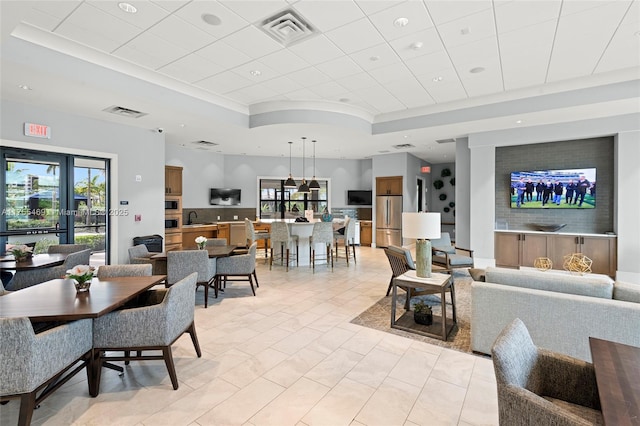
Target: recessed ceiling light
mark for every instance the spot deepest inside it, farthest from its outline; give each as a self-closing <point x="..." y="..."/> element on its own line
<point x="465" y="31"/>
<point x="183" y="125"/>
<point x="400" y="22"/>
<point x="126" y="7"/>
<point x="406" y="136"/>
<point x="476" y="70"/>
<point x="24" y="87"/>
<point x="255" y="73"/>
<point x="438" y="79"/>
<point x="211" y="19"/>
<point x="518" y="121"/>
<point x="416" y="45"/>
<point x="374" y="58"/>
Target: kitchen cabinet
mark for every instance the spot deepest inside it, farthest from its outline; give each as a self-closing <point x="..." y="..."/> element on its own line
<point x="224" y="231"/>
<point x="172" y="180"/>
<point x="519" y="249"/>
<point x="389" y="185"/>
<point x="366" y="232"/>
<point x="189" y="234"/>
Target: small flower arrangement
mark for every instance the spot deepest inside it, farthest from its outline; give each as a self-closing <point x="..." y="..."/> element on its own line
<point x="80" y="273"/>
<point x="201" y="241"/>
<point x="21" y="252"/>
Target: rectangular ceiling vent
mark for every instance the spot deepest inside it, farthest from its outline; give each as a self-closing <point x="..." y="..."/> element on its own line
<point x="384" y="151"/>
<point x="125" y="112"/>
<point x="449" y="140"/>
<point x="287" y="27"/>
<point x="205" y="144"/>
<point x="404" y="146"/>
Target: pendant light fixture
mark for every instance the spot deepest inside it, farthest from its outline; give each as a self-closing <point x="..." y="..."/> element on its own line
<point x="290" y="183"/>
<point x="303" y="188"/>
<point x="314" y="185"/>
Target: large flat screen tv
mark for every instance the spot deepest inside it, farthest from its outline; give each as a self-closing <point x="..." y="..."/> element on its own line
<point x="554" y="189"/>
<point x="224" y="197"/>
<point x="358" y="198"/>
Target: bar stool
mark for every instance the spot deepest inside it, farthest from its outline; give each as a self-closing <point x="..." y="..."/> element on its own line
<point x="349" y="238"/>
<point x="322" y="234"/>
<point x="281" y="237"/>
<point x="253" y="235"/>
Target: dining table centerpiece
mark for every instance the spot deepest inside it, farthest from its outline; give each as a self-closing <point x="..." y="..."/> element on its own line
<point x="21" y="253"/>
<point x="201" y="242"/>
<point x="81" y="276"/>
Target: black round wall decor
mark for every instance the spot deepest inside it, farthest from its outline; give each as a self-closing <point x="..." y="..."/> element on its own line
<point x="452" y="181"/>
<point x="437" y="184"/>
<point x="452" y="204"/>
<point x="446" y="209"/>
<point x="442" y="197"/>
<point x="445" y="172"/>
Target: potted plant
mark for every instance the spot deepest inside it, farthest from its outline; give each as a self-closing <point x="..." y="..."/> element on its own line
<point x="21" y="252"/>
<point x="422" y="313"/>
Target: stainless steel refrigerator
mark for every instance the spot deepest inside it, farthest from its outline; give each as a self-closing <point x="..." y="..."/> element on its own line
<point x="388" y="220"/>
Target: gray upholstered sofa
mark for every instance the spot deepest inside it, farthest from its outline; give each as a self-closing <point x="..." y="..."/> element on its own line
<point x="561" y="310"/>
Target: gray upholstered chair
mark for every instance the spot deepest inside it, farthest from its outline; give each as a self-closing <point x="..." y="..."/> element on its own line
<point x="539" y="387"/>
<point x="66" y="248"/>
<point x="282" y="238"/>
<point x="238" y="268"/>
<point x="348" y="238"/>
<point x="446" y="255"/>
<point x="253" y="235"/>
<point x="148" y="328"/>
<point x="110" y="271"/>
<point x="24" y="279"/>
<point x="322" y="234"/>
<point x="181" y="263"/>
<point x="3" y="291"/>
<point x="216" y="242"/>
<point x="140" y="254"/>
<point x="29" y="362"/>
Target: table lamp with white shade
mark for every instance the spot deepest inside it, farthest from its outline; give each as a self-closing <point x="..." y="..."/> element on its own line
<point x="422" y="227"/>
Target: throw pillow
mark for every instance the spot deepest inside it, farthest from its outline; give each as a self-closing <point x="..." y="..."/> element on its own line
<point x="477" y="274"/>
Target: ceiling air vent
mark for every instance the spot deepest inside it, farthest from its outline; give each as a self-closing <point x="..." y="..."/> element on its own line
<point x="125" y="112"/>
<point x="287" y="27"/>
<point x="404" y="146"/>
<point x="205" y="144"/>
<point x="449" y="140"/>
<point x="384" y="151"/>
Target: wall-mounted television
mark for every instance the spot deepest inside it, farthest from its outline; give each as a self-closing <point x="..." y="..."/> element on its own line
<point x="224" y="197"/>
<point x="359" y="198"/>
<point x="553" y="189"/>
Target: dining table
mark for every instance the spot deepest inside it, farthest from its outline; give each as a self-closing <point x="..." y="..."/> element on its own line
<point x="37" y="261"/>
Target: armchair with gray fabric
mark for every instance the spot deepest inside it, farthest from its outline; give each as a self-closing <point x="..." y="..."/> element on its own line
<point x="539" y="387"/>
<point x="181" y="263"/>
<point x="147" y="328"/>
<point x="24" y="279"/>
<point x="66" y="248"/>
<point x="446" y="255"/>
<point x="140" y="254"/>
<point x="110" y="271"/>
<point x="33" y="366"/>
<point x="239" y="268"/>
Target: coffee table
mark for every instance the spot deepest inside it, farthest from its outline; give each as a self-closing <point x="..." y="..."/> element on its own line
<point x="439" y="283"/>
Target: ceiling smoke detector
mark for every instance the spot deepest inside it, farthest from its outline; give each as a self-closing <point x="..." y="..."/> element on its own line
<point x="125" y="112"/>
<point x="287" y="27"/>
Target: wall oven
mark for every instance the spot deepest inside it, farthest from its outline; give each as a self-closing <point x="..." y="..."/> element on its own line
<point x="171" y="205"/>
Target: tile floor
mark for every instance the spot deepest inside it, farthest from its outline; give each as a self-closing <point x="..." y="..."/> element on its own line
<point x="289" y="356"/>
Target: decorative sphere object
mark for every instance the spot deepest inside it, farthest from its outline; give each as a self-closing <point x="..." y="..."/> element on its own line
<point x="543" y="264"/>
<point x="577" y="262"/>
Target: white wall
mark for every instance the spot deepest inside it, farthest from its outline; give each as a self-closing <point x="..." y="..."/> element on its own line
<point x="463" y="192"/>
<point x="133" y="151"/>
<point x="627" y="217"/>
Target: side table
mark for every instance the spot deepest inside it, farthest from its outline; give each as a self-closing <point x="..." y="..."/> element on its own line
<point x="439" y="283"/>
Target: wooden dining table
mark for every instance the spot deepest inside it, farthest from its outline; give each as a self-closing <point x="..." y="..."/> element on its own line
<point x="617" y="368"/>
<point x="37" y="261"/>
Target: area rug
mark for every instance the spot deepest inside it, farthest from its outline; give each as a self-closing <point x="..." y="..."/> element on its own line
<point x="378" y="316"/>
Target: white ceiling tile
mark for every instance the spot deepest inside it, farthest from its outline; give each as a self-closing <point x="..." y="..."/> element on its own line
<point x="266" y="73"/>
<point x="515" y="15"/>
<point x="150" y="51"/>
<point x="147" y="15"/>
<point x="375" y="57"/>
<point x="525" y="55"/>
<point x="282" y="85"/>
<point x="252" y="42"/>
<point x="171" y="5"/>
<point x="356" y="36"/>
<point x="224" y="55"/>
<point x="42" y="20"/>
<point x="339" y="68"/>
<point x="56" y="9"/>
<point x="191" y="68"/>
<point x="380" y="98"/>
<point x="483" y="83"/>
<point x="284" y="61"/>
<point x="474" y="54"/>
<point x="372" y="6"/>
<point x="327" y="15"/>
<point x="445" y="11"/>
<point x="393" y="72"/>
<point x="224" y="82"/>
<point x="447" y="77"/>
<point x="445" y="91"/>
<point x="317" y="50"/>
<point x="252" y="94"/>
<point x="303" y="95"/>
<point x="357" y="81"/>
<point x="94" y="27"/>
<point x="618" y="54"/>
<point x="309" y="77"/>
<point x="480" y="25"/>
<point x="579" y="43"/>
<point x="328" y="90"/>
<point x="410" y="92"/>
<point x="576" y="6"/>
<point x="429" y="64"/>
<point x="255" y="10"/>
<point x="414" y="11"/>
<point x="229" y="21"/>
<point x="430" y="43"/>
<point x="176" y="31"/>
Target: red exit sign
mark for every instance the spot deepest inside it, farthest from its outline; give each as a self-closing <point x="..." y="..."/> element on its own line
<point x="425" y="169"/>
<point x="37" y="130"/>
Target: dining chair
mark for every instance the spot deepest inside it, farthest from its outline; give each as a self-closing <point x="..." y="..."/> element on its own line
<point x="348" y="238"/>
<point x="539" y="387"/>
<point x="253" y="235"/>
<point x="216" y="242"/>
<point x="446" y="255"/>
<point x="28" y="278"/>
<point x="147" y="328"/>
<point x="238" y="268"/>
<point x="66" y="248"/>
<point x="322" y="234"/>
<point x="3" y="291"/>
<point x="140" y="254"/>
<point x="181" y="263"/>
<point x="111" y="271"/>
<point x="281" y="238"/>
<point x="34" y="365"/>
